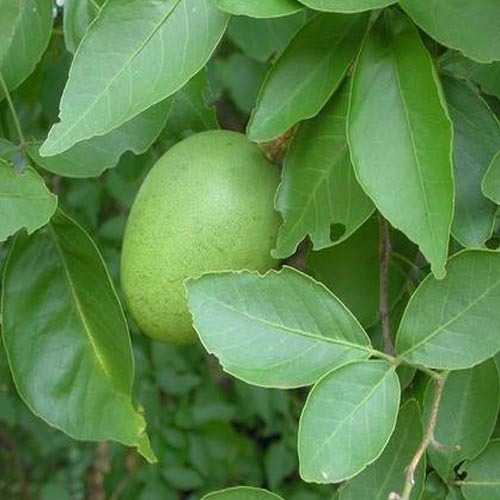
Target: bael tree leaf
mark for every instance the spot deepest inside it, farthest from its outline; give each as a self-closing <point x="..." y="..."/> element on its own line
<point x="90" y="158"/>
<point x="347" y="6"/>
<point x="351" y="412"/>
<point x="66" y="337"/>
<point x="10" y="14"/>
<point x="453" y="324"/>
<point x="25" y="40"/>
<point x="460" y="24"/>
<point x="136" y="53"/>
<point x="402" y="157"/>
<point x="392" y="463"/>
<point x="307" y="73"/>
<point x="476" y="140"/>
<point x="483" y="474"/>
<point x="78" y="14"/>
<point x="466" y="418"/>
<point x="319" y="187"/>
<point x="280" y="330"/>
<point x="491" y="181"/>
<point x="260" y="8"/>
<point x="242" y="493"/>
<point x="25" y="201"/>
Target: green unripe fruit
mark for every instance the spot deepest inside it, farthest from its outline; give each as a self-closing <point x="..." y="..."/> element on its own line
<point x="207" y="205"/>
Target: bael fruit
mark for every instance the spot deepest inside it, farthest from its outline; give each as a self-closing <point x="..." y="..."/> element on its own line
<point x="207" y="205"/>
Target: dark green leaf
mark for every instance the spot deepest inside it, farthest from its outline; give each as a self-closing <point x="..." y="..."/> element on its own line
<point x="347" y="5"/>
<point x="25" y="40"/>
<point x="67" y="339"/>
<point x="466" y="418"/>
<point x="167" y="42"/>
<point x="319" y="188"/>
<point x="351" y="412"/>
<point x="25" y="201"/>
<point x="435" y="489"/>
<point x="391" y="465"/>
<point x="279" y="330"/>
<point x="260" y="8"/>
<point x="476" y="140"/>
<point x="491" y="180"/>
<point x="264" y="39"/>
<point x="242" y="493"/>
<point x="453" y="323"/>
<point x="307" y="73"/>
<point x="400" y="136"/>
<point x="483" y="474"/>
<point x="461" y="25"/>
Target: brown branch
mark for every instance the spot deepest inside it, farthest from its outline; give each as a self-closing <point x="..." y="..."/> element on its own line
<point x="427" y="440"/>
<point x="95" y="476"/>
<point x="385" y="256"/>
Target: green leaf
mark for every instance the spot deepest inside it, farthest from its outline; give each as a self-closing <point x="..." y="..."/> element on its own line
<point x="347" y="5"/>
<point x="347" y="421"/>
<point x="113" y="77"/>
<point x="392" y="463"/>
<point x="26" y="39"/>
<point x="460" y="24"/>
<point x="466" y="418"/>
<point x="307" y="73"/>
<point x="260" y="8"/>
<point x="319" y="187"/>
<point x="435" y="489"/>
<point x="453" y="324"/>
<point x="351" y="271"/>
<point x="90" y="158"/>
<point x="66" y="337"/>
<point x="78" y="14"/>
<point x="491" y="180"/>
<point x="242" y="493"/>
<point x="280" y="330"/>
<point x="10" y="13"/>
<point x="404" y="161"/>
<point x="483" y="474"/>
<point x="486" y="75"/>
<point x="25" y="201"/>
<point x="476" y="140"/>
<point x="264" y="39"/>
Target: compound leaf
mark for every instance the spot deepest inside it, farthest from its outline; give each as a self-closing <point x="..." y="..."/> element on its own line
<point x="279" y="330"/>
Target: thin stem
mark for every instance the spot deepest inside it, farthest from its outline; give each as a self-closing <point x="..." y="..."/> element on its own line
<point x="13" y="111"/>
<point x="427" y="440"/>
<point x="384" y="256"/>
<point x="382" y="355"/>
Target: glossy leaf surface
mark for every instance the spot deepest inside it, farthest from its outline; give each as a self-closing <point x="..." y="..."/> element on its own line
<point x="466" y="418"/>
<point x="260" y="8"/>
<point x="392" y="463"/>
<point x="347" y="5"/>
<point x="461" y="25"/>
<point x="476" y="140"/>
<point x="25" y="201"/>
<point x="278" y="330"/>
<point x="453" y="323"/>
<point x="404" y="161"/>
<point x="66" y="337"/>
<point x="319" y="187"/>
<point x="307" y="73"/>
<point x="151" y="49"/>
<point x="351" y="412"/>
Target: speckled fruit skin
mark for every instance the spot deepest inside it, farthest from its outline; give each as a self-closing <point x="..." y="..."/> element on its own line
<point x="207" y="205"/>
